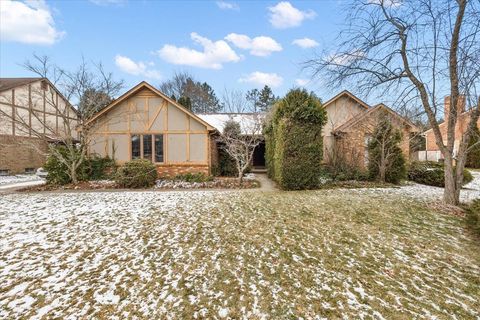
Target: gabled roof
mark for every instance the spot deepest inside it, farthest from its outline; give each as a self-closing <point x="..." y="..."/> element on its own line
<point x="143" y="85"/>
<point x="362" y="117"/>
<point x="10" y="83"/>
<point x="348" y="94"/>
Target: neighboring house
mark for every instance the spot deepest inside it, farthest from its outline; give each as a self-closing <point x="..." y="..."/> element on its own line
<point x="350" y="124"/>
<point x="32" y="112"/>
<point x="432" y="152"/>
<point x="144" y="123"/>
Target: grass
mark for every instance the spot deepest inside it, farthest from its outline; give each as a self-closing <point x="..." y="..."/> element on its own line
<point x="328" y="253"/>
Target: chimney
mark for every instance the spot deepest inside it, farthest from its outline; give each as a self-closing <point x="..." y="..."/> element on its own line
<point x="460" y="106"/>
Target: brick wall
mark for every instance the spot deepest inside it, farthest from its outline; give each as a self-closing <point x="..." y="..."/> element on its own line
<point x="18" y="153"/>
<point x="173" y="170"/>
<point x="353" y="144"/>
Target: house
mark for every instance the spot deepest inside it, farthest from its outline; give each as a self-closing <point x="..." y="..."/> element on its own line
<point x="32" y="113"/>
<point x="432" y="152"/>
<point x="350" y="124"/>
<point x="144" y="123"/>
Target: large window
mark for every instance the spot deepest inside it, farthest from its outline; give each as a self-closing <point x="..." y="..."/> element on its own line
<point x="135" y="147"/>
<point x="159" y="148"/>
<point x="148" y="147"/>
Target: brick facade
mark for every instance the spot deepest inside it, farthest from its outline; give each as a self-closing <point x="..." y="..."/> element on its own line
<point x="173" y="170"/>
<point x="19" y="153"/>
<point x="353" y="141"/>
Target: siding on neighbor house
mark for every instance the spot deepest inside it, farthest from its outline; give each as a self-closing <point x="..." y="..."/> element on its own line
<point x="34" y="108"/>
<point x="339" y="111"/>
<point x="186" y="141"/>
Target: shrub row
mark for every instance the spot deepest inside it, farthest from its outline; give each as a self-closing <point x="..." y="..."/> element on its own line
<point x="432" y="174"/>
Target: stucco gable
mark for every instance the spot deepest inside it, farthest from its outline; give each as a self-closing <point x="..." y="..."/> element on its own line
<point x="142" y="89"/>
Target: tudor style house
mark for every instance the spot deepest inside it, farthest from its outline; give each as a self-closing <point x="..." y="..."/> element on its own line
<point x="144" y="123"/>
<point x="33" y="113"/>
<point x="350" y="124"/>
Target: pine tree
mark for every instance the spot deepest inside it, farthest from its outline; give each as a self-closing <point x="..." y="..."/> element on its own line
<point x="266" y="99"/>
<point x="253" y="96"/>
<point x="186" y="102"/>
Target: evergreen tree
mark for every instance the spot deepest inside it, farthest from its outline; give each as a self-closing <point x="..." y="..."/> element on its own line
<point x="385" y="158"/>
<point x="186" y="102"/>
<point x="266" y="99"/>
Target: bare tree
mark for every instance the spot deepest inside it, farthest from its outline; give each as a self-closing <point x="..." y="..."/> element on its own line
<point x="242" y="132"/>
<point x="91" y="90"/>
<point x="415" y="51"/>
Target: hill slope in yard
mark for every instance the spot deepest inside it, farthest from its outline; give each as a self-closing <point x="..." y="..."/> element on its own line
<point x="328" y="253"/>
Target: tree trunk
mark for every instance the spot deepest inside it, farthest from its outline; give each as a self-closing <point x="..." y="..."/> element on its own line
<point x="451" y="192"/>
<point x="73" y="175"/>
<point x="382" y="173"/>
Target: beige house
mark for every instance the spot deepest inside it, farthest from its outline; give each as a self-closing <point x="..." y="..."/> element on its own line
<point x="350" y="123"/>
<point x="144" y="123"/>
<point x="32" y="113"/>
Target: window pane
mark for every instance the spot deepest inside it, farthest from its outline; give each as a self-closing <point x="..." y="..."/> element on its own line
<point x="158" y="148"/>
<point x="135" y="147"/>
<point x="147" y="147"/>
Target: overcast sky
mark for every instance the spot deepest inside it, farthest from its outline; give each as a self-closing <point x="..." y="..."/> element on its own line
<point x="232" y="44"/>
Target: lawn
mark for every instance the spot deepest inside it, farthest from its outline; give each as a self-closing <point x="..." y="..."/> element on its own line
<point x="252" y="255"/>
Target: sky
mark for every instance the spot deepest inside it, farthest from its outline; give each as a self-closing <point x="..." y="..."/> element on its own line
<point x="229" y="44"/>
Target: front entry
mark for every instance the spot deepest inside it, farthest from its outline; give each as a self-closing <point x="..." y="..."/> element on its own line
<point x="258" y="160"/>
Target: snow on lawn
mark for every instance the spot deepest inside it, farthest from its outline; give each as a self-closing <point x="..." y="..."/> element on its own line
<point x="4" y="180"/>
<point x="240" y="255"/>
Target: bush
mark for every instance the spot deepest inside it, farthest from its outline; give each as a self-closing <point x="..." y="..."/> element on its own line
<point x="98" y="168"/>
<point x="193" y="177"/>
<point x="294" y="143"/>
<point x="138" y="173"/>
<point x="432" y="174"/>
<point x="226" y="165"/>
<point x="385" y="144"/>
<point x="473" y="156"/>
<point x="58" y="172"/>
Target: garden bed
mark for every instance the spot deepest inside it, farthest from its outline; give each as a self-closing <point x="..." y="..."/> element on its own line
<point x="161" y="184"/>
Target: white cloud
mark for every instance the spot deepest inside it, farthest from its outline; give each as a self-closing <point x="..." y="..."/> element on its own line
<point x="301" y="82"/>
<point x="261" y="78"/>
<point x="284" y="15"/>
<point x="213" y="56"/>
<point x="259" y="46"/>
<point x="28" y="22"/>
<point x="305" y="43"/>
<point x="129" y="66"/>
<point x="345" y="58"/>
<point x="225" y="5"/>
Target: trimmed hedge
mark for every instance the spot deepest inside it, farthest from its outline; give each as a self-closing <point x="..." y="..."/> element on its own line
<point x="432" y="174"/>
<point x="294" y="143"/>
<point x="138" y="173"/>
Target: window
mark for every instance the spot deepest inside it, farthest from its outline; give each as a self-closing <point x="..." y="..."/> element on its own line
<point x="3" y="172"/>
<point x="147" y="147"/>
<point x="135" y="147"/>
<point x="159" y="148"/>
<point x="29" y="170"/>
